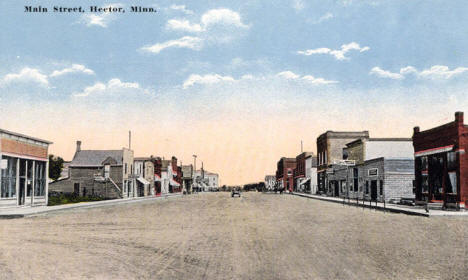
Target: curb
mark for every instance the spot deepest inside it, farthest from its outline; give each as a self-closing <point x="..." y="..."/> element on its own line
<point x="393" y="210"/>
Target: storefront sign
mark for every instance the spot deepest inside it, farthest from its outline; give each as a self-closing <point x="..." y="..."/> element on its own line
<point x="373" y="172"/>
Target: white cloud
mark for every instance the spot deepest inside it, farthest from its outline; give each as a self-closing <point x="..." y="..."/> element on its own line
<point x="442" y="72"/>
<point x="223" y="17"/>
<point x="183" y="25"/>
<point x="27" y="75"/>
<point x="298" y="5"/>
<point x="181" y="8"/>
<point x="338" y="54"/>
<point x="75" y="68"/>
<point x="436" y="72"/>
<point x="113" y="86"/>
<point x="206" y="79"/>
<point x="323" y="18"/>
<point x="100" y="19"/>
<point x="189" y="42"/>
<point x="385" y="74"/>
<point x="289" y="75"/>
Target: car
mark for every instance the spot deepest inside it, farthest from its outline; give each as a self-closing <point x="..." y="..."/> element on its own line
<point x="236" y="191"/>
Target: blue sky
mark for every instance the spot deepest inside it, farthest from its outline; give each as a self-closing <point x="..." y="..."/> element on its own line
<point x="327" y="64"/>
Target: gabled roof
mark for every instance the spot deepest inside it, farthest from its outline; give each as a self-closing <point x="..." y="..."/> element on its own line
<point x="89" y="158"/>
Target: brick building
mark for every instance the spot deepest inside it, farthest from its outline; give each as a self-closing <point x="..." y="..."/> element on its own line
<point x="441" y="166"/>
<point x="24" y="170"/>
<point x="102" y="173"/>
<point x="301" y="181"/>
<point x="285" y="173"/>
<point x="330" y="151"/>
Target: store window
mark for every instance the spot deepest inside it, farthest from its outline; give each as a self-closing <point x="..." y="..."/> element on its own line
<point x="40" y="180"/>
<point x="8" y="179"/>
<point x="451" y="183"/>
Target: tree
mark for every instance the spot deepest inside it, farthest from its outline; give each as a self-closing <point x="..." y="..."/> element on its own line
<point x="55" y="167"/>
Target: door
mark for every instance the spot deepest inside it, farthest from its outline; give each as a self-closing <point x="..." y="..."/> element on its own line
<point x="22" y="182"/>
<point x="337" y="188"/>
<point x="374" y="190"/>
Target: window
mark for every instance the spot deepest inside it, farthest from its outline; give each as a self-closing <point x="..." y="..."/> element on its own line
<point x="381" y="187"/>
<point x="451" y="182"/>
<point x="106" y="171"/>
<point x="76" y="188"/>
<point x="8" y="181"/>
<point x="367" y="187"/>
<point x="451" y="160"/>
<point x="40" y="180"/>
<point x="125" y="169"/>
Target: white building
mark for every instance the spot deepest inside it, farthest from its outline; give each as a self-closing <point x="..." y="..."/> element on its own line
<point x="206" y="181"/>
<point x="311" y="173"/>
<point x="270" y="182"/>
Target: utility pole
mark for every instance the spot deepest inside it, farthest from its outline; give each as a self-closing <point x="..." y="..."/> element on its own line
<point x="194" y="169"/>
<point x="129" y="139"/>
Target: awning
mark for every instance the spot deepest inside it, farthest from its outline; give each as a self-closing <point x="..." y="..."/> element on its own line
<point x="305" y="181"/>
<point x="433" y="151"/>
<point x="174" y="183"/>
<point x="143" y="181"/>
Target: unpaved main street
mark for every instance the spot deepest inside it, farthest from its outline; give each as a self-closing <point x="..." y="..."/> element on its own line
<point x="214" y="236"/>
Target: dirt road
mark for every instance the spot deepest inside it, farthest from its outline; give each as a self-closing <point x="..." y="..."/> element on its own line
<point x="214" y="236"/>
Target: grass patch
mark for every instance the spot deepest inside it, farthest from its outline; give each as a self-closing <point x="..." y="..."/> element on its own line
<point x="59" y="199"/>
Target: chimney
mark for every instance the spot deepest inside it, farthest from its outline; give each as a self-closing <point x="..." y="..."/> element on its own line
<point x="459" y="117"/>
<point x="416" y="129"/>
<point x="78" y="146"/>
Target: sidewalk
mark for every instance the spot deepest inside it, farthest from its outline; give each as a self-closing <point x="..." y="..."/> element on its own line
<point x="21" y="212"/>
<point x="394" y="208"/>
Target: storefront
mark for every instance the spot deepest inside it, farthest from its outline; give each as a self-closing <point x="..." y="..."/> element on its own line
<point x="24" y="170"/>
<point x="441" y="167"/>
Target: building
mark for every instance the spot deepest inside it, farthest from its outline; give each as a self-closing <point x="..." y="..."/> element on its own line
<point x="301" y="181"/>
<point x="144" y="172"/>
<point x="311" y="174"/>
<point x="187" y="178"/>
<point x="270" y="182"/>
<point x="102" y="173"/>
<point x="161" y="178"/>
<point x="24" y="170"/>
<point x="374" y="169"/>
<point x="441" y="163"/>
<point x="330" y="147"/>
<point x="175" y="176"/>
<point x="285" y="173"/>
<point x="206" y="181"/>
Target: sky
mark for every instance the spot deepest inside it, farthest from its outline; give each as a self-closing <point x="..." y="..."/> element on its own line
<point x="238" y="83"/>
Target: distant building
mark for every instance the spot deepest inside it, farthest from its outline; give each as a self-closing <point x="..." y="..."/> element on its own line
<point x="301" y="182"/>
<point x="206" y="181"/>
<point x="270" y="182"/>
<point x="330" y="151"/>
<point x="187" y="178"/>
<point x="24" y="170"/>
<point x="144" y="172"/>
<point x="441" y="166"/>
<point x="64" y="174"/>
<point x="103" y="173"/>
<point x="311" y="174"/>
<point x="285" y="173"/>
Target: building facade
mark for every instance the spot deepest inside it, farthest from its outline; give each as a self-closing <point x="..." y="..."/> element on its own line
<point x="270" y="182"/>
<point x="24" y="170"/>
<point x="311" y="174"/>
<point x="330" y="147"/>
<point x="102" y="173"/>
<point x="187" y="178"/>
<point x="441" y="166"/>
<point x="144" y="172"/>
<point x="301" y="181"/>
<point x="285" y="173"/>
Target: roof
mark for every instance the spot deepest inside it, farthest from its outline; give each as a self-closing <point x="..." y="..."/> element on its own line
<point x="379" y="140"/>
<point x="343" y="134"/>
<point x="25" y="136"/>
<point x="141" y="158"/>
<point x="85" y="158"/>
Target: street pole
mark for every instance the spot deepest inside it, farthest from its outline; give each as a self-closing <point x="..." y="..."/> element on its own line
<point x="194" y="170"/>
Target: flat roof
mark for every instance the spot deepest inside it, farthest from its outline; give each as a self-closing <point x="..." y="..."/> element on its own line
<point x="24" y="136"/>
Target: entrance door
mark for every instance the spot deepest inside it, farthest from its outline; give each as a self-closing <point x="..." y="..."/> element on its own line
<point x="337" y="188"/>
<point x="374" y="190"/>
